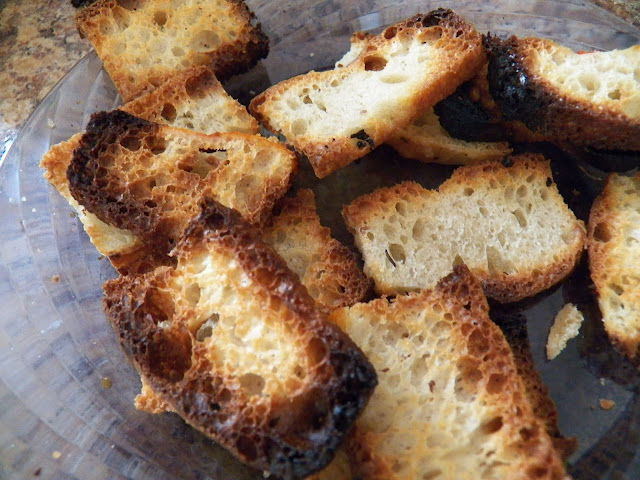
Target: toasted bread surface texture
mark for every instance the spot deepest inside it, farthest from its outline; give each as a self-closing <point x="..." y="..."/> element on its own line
<point x="326" y="268"/>
<point x="508" y="224"/>
<point x="193" y="99"/>
<point x="142" y="42"/>
<point x="233" y="343"/>
<point x="590" y="99"/>
<point x="148" y="178"/>
<point x="449" y="404"/>
<point x="337" y="116"/>
<point x="614" y="259"/>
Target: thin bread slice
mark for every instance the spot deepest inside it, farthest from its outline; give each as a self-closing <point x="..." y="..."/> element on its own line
<point x="142" y="42"/>
<point x="326" y="268"/>
<point x="337" y="116"/>
<point x="425" y="139"/>
<point x="614" y="259"/>
<point x="449" y="403"/>
<point x="193" y="99"/>
<point x="231" y="340"/>
<point x="148" y="179"/>
<point x="590" y="99"/>
<point x="506" y="221"/>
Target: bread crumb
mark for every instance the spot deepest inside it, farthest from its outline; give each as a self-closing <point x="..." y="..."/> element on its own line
<point x="105" y="382"/>
<point x="50" y="123"/>
<point x="55" y="278"/>
<point x="565" y="326"/>
<point x="606" y="404"/>
<point x="56" y="455"/>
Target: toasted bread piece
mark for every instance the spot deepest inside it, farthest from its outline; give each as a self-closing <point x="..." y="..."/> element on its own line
<point x="326" y="268"/>
<point x="148" y="178"/>
<point x="142" y="42"/>
<point x="337" y="116"/>
<point x="450" y="403"/>
<point x="566" y="326"/>
<point x="426" y="140"/>
<point x="614" y="259"/>
<point x="232" y="341"/>
<point x="590" y="99"/>
<point x="508" y="224"/>
<point x="193" y="99"/>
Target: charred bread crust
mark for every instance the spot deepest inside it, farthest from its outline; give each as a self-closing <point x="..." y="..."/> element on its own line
<point x="127" y="198"/>
<point x="235" y="55"/>
<point x="329" y="152"/>
<point x="289" y="436"/>
<point x="524" y="95"/>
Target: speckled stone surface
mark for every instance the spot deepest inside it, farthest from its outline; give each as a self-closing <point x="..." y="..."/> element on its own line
<point x="38" y="45"/>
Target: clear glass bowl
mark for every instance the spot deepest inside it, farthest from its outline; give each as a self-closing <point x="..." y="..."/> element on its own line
<point x="59" y="419"/>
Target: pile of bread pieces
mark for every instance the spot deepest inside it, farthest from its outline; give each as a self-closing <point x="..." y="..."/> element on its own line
<point x="241" y="312"/>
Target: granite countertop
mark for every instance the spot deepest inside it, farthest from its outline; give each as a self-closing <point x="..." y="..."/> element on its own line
<point x="39" y="44"/>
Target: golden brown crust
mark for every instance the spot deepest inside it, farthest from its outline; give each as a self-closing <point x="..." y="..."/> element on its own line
<point x="512" y="282"/>
<point x="181" y="36"/>
<point x="499" y="418"/>
<point x="526" y="93"/>
<point x="613" y="239"/>
<point x="292" y="433"/>
<point x="148" y="178"/>
<point x="326" y="268"/>
<point x="459" y="55"/>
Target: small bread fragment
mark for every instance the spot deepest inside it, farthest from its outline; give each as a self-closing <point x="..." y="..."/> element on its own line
<point x="566" y="326"/>
<point x="590" y="99"/>
<point x="233" y="343"/>
<point x="427" y="141"/>
<point x="614" y="259"/>
<point x="142" y="42"/>
<point x="148" y="178"/>
<point x="337" y="116"/>
<point x="508" y="224"/>
<point x="326" y="268"/>
<point x="449" y="403"/>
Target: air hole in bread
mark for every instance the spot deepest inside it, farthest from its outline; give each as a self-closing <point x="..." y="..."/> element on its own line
<point x="121" y="17"/>
<point x="589" y="82"/>
<point x="131" y="143"/>
<point x="617" y="289"/>
<point x="467" y="378"/>
<point x="390" y="32"/>
<point x="177" y="51"/>
<point x="395" y="78"/>
<point x="205" y="40"/>
<point x="158" y="145"/>
<point x="160" y="18"/>
<point x="206" y="329"/>
<point x="492" y="426"/>
<point x="128" y="4"/>
<point x="299" y="126"/>
<point x="246" y="448"/>
<point x="497" y="264"/>
<point x="537" y="471"/>
<point x="192" y="294"/>
<point x="168" y="112"/>
<point x="246" y="192"/>
<point x="252" y="384"/>
<point x="614" y="94"/>
<point x="602" y="233"/>
<point x="169" y="353"/>
<point x="478" y="344"/>
<point x="159" y="304"/>
<point x="520" y="216"/>
<point x="522" y="191"/>
<point x="431" y="474"/>
<point x="374" y="63"/>
<point x="397" y="253"/>
<point x="496" y="383"/>
<point x="417" y="231"/>
<point x="468" y="191"/>
<point x="194" y="88"/>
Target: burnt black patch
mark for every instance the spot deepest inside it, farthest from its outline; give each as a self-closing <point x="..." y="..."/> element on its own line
<point x="362" y="139"/>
